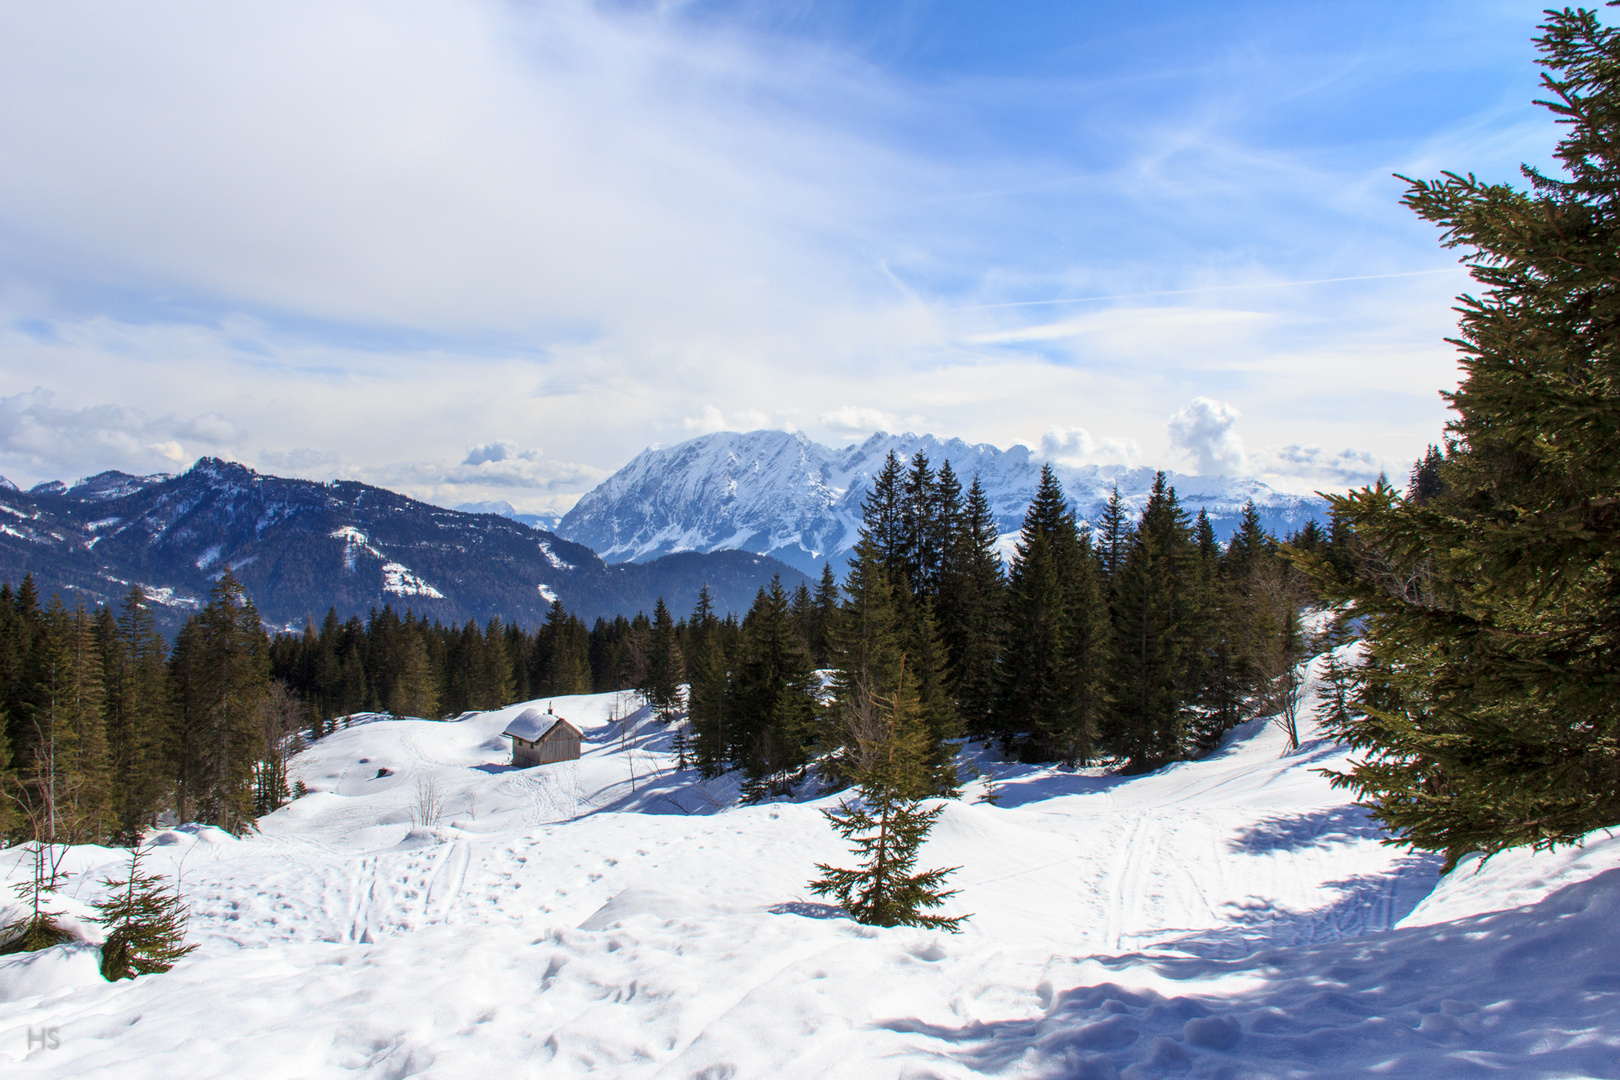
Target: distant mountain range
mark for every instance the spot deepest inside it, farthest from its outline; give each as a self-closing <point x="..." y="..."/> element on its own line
<point x="301" y="546"/>
<point x="780" y="494"/>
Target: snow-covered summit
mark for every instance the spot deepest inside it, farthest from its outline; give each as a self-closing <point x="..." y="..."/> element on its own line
<point x="783" y="494"/>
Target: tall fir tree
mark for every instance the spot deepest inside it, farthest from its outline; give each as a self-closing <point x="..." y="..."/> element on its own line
<point x="773" y="696"/>
<point x="1491" y="598"/>
<point x="666" y="669"/>
<point x="220" y="668"/>
<point x="138" y="716"/>
<point x="970" y="609"/>
<point x="1155" y="651"/>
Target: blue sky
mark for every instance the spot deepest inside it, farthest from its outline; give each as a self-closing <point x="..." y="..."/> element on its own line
<point x="487" y="250"/>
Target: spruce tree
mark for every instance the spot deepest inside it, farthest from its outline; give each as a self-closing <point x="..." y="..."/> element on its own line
<point x="665" y="668"/>
<point x="146" y="924"/>
<point x="1490" y="710"/>
<point x="221" y="674"/>
<point x="1156" y="660"/>
<point x="39" y="927"/>
<point x="883" y="515"/>
<point x="1051" y="668"/>
<point x="971" y="616"/>
<point x="137" y="715"/>
<point x="773" y="696"/>
<point x="824" y="610"/>
<point x="887" y="825"/>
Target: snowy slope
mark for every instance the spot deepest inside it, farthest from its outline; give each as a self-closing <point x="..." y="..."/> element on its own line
<point x="779" y="493"/>
<point x="616" y="918"/>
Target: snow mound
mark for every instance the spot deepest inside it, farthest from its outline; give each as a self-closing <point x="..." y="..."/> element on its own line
<point x="54" y="972"/>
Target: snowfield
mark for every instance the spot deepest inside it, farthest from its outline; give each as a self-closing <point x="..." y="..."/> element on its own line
<point x="429" y="911"/>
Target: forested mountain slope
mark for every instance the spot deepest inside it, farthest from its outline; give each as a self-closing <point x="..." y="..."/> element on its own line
<point x="301" y="546"/>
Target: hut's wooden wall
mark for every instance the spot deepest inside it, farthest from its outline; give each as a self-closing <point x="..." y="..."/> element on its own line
<point x="560" y="747"/>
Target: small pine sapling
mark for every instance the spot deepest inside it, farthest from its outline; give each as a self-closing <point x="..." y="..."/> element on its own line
<point x="1335" y="710"/>
<point x="146" y="924"/>
<point x="888" y="826"/>
<point x="38" y="928"/>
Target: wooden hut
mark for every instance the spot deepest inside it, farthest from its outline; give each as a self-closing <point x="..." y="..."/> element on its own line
<point x="540" y="738"/>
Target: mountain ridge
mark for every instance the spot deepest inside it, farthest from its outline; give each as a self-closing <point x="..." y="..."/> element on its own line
<point x="302" y="546"/>
<point x="782" y="494"/>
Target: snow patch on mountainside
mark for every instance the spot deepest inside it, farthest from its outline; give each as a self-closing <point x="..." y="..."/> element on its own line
<point x="779" y="493"/>
<point x="401" y="580"/>
<point x="551" y="557"/>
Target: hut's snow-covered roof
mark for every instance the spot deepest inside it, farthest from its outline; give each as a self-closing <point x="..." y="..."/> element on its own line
<point x="532" y="725"/>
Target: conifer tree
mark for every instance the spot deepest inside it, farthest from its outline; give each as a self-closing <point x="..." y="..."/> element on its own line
<point x="146" y="924"/>
<point x="221" y="672"/>
<point x="883" y="516"/>
<point x="1492" y="603"/>
<point x="1156" y="657"/>
<point x="773" y="695"/>
<point x="137" y="713"/>
<point x="824" y="610"/>
<point x="495" y="667"/>
<point x="417" y="685"/>
<point x="665" y="668"/>
<point x="970" y="610"/>
<point x="1114" y="534"/>
<point x="867" y="645"/>
<point x="921" y="531"/>
<point x="569" y="670"/>
<point x="39" y="927"/>
<point x="888" y="825"/>
<point x="709" y="705"/>
<point x="1051" y="669"/>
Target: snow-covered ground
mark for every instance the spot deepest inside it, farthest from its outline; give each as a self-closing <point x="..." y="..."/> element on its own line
<point x="1233" y="917"/>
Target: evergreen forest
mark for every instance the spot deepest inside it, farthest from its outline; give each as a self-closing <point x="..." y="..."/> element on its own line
<point x="1137" y="643"/>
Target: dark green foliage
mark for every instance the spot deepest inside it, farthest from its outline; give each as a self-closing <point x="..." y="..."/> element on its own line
<point x="146" y="924"/>
<point x="1488" y="707"/>
<point x="970" y="609"/>
<point x="889" y="823"/>
<point x="771" y="697"/>
<point x="666" y="670"/>
<point x="709" y="677"/>
<point x="1053" y="662"/>
<point x="220" y="673"/>
<point x="137" y="713"/>
<point x="1157" y="670"/>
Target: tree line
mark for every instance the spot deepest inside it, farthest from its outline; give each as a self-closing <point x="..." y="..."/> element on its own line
<point x="1141" y="642"/>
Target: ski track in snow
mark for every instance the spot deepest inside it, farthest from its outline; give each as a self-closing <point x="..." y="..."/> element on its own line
<point x="617" y="917"/>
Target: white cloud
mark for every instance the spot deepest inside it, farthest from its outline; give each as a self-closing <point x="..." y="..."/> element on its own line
<point x="36" y="434"/>
<point x="859" y="420"/>
<point x="711" y="419"/>
<point x="494" y="452"/>
<point x="1204" y="432"/>
<point x="1292" y="464"/>
<point x="1075" y="446"/>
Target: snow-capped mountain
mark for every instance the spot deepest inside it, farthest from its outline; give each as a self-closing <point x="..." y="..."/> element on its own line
<point x="544" y="522"/>
<point x="301" y="546"/>
<point x="780" y="493"/>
